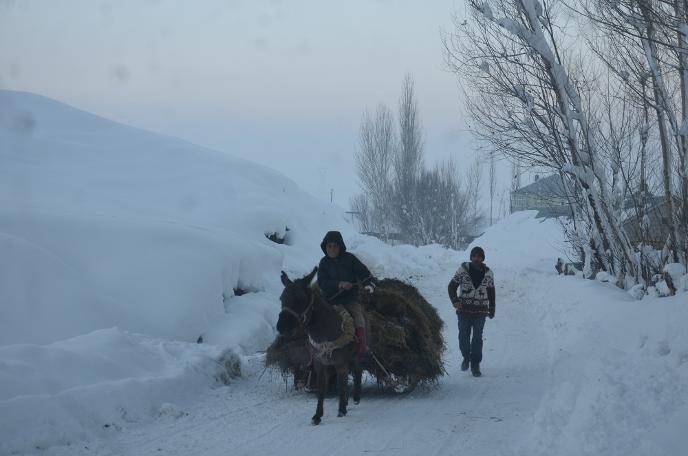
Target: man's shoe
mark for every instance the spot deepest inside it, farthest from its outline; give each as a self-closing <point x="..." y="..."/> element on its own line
<point x="464" y="364"/>
<point x="475" y="369"/>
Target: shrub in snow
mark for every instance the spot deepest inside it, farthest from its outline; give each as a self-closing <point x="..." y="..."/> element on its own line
<point x="559" y="267"/>
<point x="637" y="291"/>
<point x="565" y="268"/>
<point x="604" y="276"/>
<point x="674" y="277"/>
<point x="663" y="289"/>
<point x="229" y="365"/>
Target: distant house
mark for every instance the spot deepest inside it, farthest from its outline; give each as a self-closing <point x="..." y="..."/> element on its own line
<point x="546" y="195"/>
<point x="657" y="220"/>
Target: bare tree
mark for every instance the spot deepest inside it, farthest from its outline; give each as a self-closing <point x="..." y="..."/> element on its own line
<point x="374" y="161"/>
<point x="444" y="213"/>
<point x="492" y="178"/>
<point x="409" y="160"/>
<point x="474" y="181"/>
<point x="648" y="44"/>
<point x="399" y="192"/>
<point x="531" y="104"/>
<point x="515" y="179"/>
<point x="361" y="210"/>
<point x="504" y="206"/>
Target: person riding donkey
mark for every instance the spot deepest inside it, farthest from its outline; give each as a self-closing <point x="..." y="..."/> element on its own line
<point x="338" y="274"/>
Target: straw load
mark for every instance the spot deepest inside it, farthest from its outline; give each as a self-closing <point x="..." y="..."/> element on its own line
<point x="405" y="339"/>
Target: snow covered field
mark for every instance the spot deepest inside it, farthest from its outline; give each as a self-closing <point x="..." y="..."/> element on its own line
<point x="111" y="271"/>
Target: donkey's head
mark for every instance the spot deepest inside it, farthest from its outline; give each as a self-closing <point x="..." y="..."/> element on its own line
<point x="295" y="298"/>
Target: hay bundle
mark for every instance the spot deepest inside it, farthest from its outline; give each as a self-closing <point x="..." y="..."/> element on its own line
<point x="289" y="352"/>
<point x="405" y="336"/>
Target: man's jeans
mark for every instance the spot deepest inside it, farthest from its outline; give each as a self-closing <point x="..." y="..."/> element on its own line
<point x="471" y="349"/>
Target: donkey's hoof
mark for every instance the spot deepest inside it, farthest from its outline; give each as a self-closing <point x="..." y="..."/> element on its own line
<point x="315" y="420"/>
<point x="357" y="401"/>
<point x="341" y="413"/>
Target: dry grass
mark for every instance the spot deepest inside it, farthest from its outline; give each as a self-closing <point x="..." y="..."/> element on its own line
<point x="405" y="335"/>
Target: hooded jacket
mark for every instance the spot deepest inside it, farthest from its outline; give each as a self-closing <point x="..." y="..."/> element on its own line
<point x="345" y="268"/>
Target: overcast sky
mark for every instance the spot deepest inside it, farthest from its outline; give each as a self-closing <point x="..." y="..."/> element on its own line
<point x="283" y="83"/>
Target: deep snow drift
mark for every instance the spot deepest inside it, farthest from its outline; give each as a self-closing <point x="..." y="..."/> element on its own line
<point x="133" y="229"/>
<point x="108" y="232"/>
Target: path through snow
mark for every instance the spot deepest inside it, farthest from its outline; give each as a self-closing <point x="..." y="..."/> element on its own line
<point x="461" y="414"/>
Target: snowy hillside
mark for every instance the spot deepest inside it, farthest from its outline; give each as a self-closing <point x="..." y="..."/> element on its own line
<point x="115" y="241"/>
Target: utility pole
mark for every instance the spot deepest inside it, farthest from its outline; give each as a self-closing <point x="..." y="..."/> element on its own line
<point x="331" y="195"/>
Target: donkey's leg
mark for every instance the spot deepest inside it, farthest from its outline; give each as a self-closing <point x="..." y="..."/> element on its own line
<point x="358" y="373"/>
<point x="343" y="381"/>
<point x="321" y="373"/>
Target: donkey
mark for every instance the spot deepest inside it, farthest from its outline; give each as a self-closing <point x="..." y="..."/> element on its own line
<point x="330" y="335"/>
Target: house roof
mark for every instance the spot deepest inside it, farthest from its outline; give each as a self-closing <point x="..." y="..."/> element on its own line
<point x="549" y="186"/>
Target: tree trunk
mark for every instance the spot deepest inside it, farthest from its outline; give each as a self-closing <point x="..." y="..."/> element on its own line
<point x="661" y="108"/>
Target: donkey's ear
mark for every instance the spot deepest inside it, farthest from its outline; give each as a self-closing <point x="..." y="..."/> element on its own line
<point x="285" y="279"/>
<point x="309" y="278"/>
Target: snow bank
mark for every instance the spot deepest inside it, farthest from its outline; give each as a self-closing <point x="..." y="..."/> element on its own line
<point x="404" y="262"/>
<point x="91" y="385"/>
<point x="106" y="226"/>
<point x="157" y="231"/>
<point x="620" y="372"/>
<point x="522" y="239"/>
<point x="618" y="366"/>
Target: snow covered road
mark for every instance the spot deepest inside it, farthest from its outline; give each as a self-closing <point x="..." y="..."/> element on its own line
<point x="571" y="367"/>
<point x="257" y="415"/>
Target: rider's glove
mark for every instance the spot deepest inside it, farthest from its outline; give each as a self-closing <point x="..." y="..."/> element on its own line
<point x="370" y="288"/>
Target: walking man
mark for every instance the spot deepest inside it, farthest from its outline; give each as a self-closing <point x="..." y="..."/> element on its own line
<point x="476" y="301"/>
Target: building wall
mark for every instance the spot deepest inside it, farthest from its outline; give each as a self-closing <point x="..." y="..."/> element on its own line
<point x="658" y="227"/>
<point x="531" y="201"/>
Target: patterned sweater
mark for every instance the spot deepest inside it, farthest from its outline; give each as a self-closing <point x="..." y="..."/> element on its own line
<point x="473" y="300"/>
